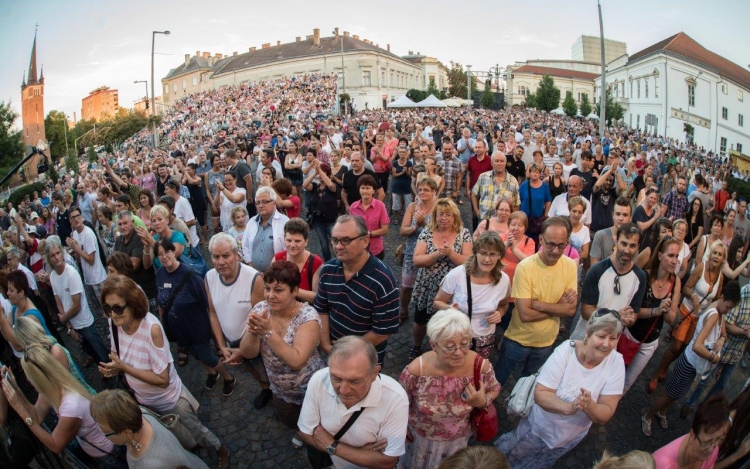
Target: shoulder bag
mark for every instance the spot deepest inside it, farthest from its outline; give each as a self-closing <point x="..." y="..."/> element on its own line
<point x="521" y="399"/>
<point x="173" y="423"/>
<point x="483" y="421"/>
<point x="321" y="459"/>
<point x="119" y="381"/>
<point x="628" y="346"/>
<point x="195" y="260"/>
<point x="482" y="345"/>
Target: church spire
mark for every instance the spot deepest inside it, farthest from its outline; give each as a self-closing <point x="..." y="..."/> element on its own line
<point x="32" y="63"/>
<point x="23" y="82"/>
<point x="41" y="74"/>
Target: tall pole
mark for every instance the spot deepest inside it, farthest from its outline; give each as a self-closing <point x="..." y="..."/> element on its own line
<point x="145" y="83"/>
<point x="468" y="82"/>
<point x="603" y="91"/>
<point x="153" y="108"/>
<point x="343" y="74"/>
<point x="66" y="135"/>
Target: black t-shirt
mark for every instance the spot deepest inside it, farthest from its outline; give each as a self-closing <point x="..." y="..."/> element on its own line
<point x="160" y="186"/>
<point x="62" y="226"/>
<point x="323" y="203"/>
<point x="5" y="222"/>
<point x="350" y="184"/>
<point x="638" y="184"/>
<point x="640" y="215"/>
<point x="516" y="167"/>
<point x="143" y="277"/>
<point x="602" y="207"/>
<point x="588" y="181"/>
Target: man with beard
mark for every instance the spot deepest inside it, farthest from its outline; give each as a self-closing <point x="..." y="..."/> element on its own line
<point x="604" y="196"/>
<point x="515" y="164"/>
<point x="615" y="283"/>
<point x="676" y="201"/>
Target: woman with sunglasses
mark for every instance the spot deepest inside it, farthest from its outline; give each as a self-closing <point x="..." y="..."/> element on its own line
<point x="59" y="391"/>
<point x="149" y="443"/>
<point x="441" y="391"/>
<point x="581" y="383"/>
<point x="141" y="352"/>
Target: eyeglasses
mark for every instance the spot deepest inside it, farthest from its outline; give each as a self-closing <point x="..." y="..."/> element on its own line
<point x="30" y="360"/>
<point x="553" y="246"/>
<point x="345" y="241"/>
<point x="488" y="255"/>
<point x="444" y="215"/>
<point x="711" y="443"/>
<point x="117" y="310"/>
<point x="604" y="311"/>
<point x="464" y="346"/>
<point x="112" y="433"/>
<point x="263" y="202"/>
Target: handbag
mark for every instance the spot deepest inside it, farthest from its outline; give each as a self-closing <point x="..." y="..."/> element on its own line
<point x="704" y="367"/>
<point x="399" y="255"/>
<point x="173" y="423"/>
<point x="521" y="399"/>
<point x="535" y="223"/>
<point x="629" y="347"/>
<point x="195" y="260"/>
<point x="483" y="421"/>
<point x="321" y="459"/>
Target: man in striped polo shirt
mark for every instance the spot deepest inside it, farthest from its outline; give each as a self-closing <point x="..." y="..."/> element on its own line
<point x="357" y="292"/>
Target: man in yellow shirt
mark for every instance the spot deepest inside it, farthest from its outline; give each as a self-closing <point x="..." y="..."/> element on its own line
<point x="545" y="288"/>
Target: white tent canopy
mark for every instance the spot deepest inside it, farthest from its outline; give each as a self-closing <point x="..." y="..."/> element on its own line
<point x="457" y="102"/>
<point x="402" y="101"/>
<point x="593" y="116"/>
<point x="431" y="101"/>
<point x="559" y="111"/>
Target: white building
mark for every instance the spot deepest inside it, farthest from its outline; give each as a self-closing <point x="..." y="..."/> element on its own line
<point x="676" y="82"/>
<point x="569" y="76"/>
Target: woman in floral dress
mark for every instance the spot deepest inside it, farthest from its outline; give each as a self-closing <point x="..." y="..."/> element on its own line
<point x="441" y="246"/>
<point x="441" y="391"/>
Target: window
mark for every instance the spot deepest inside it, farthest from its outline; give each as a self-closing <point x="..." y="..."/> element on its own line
<point x="691" y="95"/>
<point x="741" y="120"/>
<point x="523" y="90"/>
<point x="645" y="81"/>
<point x="166" y="89"/>
<point x="174" y="87"/>
<point x="195" y="81"/>
<point x="739" y="148"/>
<point x="184" y="83"/>
<point x="631" y="88"/>
<point x="617" y="89"/>
<point x="724" y="88"/>
<point x="204" y="77"/>
<point x="366" y="78"/>
<point x="724" y="113"/>
<point x="631" y="121"/>
<point x="639" y="90"/>
<point x="656" y="86"/>
<point x="382" y="78"/>
<point x="740" y="96"/>
<point x="638" y="122"/>
<point x="723" y="145"/>
<point x="580" y="97"/>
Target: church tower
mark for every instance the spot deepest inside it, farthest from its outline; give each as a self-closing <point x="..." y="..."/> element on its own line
<point x="32" y="110"/>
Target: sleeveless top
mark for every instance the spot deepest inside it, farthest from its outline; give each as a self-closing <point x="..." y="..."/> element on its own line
<point x="640" y="329"/>
<point x="701" y="289"/>
<point x="232" y="301"/>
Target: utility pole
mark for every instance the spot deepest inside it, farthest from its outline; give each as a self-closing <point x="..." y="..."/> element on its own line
<point x="153" y="108"/>
<point x="603" y="92"/>
<point x="468" y="82"/>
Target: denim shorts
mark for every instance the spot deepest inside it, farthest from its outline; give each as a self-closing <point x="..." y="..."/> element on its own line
<point x="204" y="353"/>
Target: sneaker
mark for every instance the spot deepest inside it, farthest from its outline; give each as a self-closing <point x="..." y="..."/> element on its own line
<point x="211" y="381"/>
<point x="262" y="399"/>
<point x="228" y="388"/>
<point x="223" y="459"/>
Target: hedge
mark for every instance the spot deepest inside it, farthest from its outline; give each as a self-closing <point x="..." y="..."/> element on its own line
<point x="17" y="196"/>
<point x="741" y="187"/>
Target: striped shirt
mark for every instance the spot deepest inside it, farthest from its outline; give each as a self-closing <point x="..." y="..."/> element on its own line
<point x="739" y="316"/>
<point x="368" y="302"/>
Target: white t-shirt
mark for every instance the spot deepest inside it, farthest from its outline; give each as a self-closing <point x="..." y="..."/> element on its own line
<point x="484" y="298"/>
<point x="65" y="286"/>
<point x="559" y="208"/>
<point x="184" y="211"/>
<point x="232" y="302"/>
<point x="96" y="273"/>
<point x="29" y="276"/>
<point x="76" y="406"/>
<point x="563" y="372"/>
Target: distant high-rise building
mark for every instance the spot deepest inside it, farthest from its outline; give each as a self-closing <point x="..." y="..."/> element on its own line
<point x="588" y="49"/>
<point x="32" y="110"/>
<point x="100" y="104"/>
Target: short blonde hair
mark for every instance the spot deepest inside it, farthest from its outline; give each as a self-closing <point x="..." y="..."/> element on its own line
<point x="576" y="201"/>
<point x="160" y="210"/>
<point x="448" y="323"/>
<point x="633" y="460"/>
<point x="443" y="204"/>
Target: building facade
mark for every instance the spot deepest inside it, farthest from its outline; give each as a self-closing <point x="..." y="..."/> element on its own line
<point x="140" y="105"/>
<point x="523" y="79"/>
<point x="100" y="104"/>
<point x="432" y="69"/>
<point x="589" y="49"/>
<point x="32" y="111"/>
<point x="370" y="75"/>
<point x="677" y="82"/>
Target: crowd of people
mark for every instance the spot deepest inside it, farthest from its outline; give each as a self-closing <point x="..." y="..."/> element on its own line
<point x="576" y="255"/>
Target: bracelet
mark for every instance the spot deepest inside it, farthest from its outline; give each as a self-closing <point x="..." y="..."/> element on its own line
<point x="267" y="335"/>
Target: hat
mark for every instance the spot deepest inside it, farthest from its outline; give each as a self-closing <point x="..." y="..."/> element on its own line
<point x="40" y="231"/>
<point x="34" y="215"/>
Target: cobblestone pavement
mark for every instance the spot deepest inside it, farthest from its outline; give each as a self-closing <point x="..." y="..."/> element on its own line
<point x="257" y="440"/>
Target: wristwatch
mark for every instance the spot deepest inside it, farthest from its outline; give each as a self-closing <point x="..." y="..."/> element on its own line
<point x="331" y="448"/>
<point x="30" y="422"/>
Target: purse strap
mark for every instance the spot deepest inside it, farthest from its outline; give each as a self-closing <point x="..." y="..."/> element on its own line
<point x="348" y="424"/>
<point x="468" y="291"/>
<point x="478" y="362"/>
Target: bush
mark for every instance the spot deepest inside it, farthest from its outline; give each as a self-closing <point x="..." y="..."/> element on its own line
<point x="738" y="185"/>
<point x="17" y="196"/>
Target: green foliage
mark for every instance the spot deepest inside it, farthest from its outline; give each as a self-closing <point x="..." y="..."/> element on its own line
<point x="416" y="95"/>
<point x="488" y="97"/>
<point x="11" y="143"/>
<point x="56" y="129"/>
<point x="442" y="95"/>
<point x="71" y="163"/>
<point x="739" y="186"/>
<point x="91" y="155"/>
<point x="457" y="80"/>
<point x="17" y="196"/>
<point x="547" y="95"/>
<point x="111" y="131"/>
<point x="585" y="107"/>
<point x="614" y="111"/>
<point x="569" y="105"/>
<point x="688" y="129"/>
<point x="531" y="100"/>
<point x="345" y="97"/>
<point x="433" y="89"/>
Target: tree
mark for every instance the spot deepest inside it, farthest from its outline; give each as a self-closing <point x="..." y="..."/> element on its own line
<point x="585" y="107"/>
<point x="689" y="131"/>
<point x="433" y="89"/>
<point x="55" y="127"/>
<point x="614" y="111"/>
<point x="416" y="95"/>
<point x="457" y="81"/>
<point x="569" y="105"/>
<point x="11" y="143"/>
<point x="547" y="94"/>
<point x="488" y="97"/>
<point x="531" y="100"/>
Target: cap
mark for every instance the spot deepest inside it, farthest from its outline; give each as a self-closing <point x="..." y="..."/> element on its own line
<point x="34" y="215"/>
<point x="40" y="232"/>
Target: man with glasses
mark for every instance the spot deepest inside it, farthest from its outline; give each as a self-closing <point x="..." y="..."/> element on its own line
<point x="357" y="292"/>
<point x="131" y="244"/>
<point x="264" y="235"/>
<point x="84" y="243"/>
<point x="545" y="286"/>
<point x="615" y="282"/>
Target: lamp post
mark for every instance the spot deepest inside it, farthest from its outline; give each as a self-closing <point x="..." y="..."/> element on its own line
<point x="145" y="82"/>
<point x="603" y="91"/>
<point x="65" y="129"/>
<point x="343" y="73"/>
<point x="153" y="109"/>
<point x="468" y="82"/>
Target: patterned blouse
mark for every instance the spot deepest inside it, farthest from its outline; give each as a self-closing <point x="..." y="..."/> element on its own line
<point x="286" y="383"/>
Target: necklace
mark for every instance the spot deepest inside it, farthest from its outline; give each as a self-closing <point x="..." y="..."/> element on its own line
<point x="283" y="324"/>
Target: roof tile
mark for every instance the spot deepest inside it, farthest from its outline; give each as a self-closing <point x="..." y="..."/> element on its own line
<point x="556" y="72"/>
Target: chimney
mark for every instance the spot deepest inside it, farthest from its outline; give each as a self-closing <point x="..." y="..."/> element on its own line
<point x="266" y="45"/>
<point x="388" y="46"/>
<point x="278" y="43"/>
<point x="187" y="59"/>
<point x="234" y="54"/>
<point x="218" y="56"/>
<point x="297" y="39"/>
<point x="252" y="49"/>
<point x="411" y="52"/>
<point x="336" y="32"/>
<point x="197" y="53"/>
<point x="316" y="36"/>
<point x="356" y="37"/>
<point x="206" y="55"/>
<point x="346" y="33"/>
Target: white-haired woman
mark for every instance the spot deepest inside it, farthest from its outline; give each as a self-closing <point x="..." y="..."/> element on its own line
<point x="580" y="384"/>
<point x="479" y="289"/>
<point x="441" y="391"/>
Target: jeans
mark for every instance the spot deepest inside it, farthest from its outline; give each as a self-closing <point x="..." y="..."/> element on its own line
<point x="110" y="461"/>
<point x="722" y="373"/>
<point x="92" y="344"/>
<point x="323" y="231"/>
<point x="512" y="354"/>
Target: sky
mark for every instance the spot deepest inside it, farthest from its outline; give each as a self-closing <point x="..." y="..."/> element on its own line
<point x="84" y="44"/>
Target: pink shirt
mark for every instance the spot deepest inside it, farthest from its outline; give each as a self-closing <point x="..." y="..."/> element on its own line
<point x="376" y="216"/>
<point x="666" y="456"/>
<point x="75" y="406"/>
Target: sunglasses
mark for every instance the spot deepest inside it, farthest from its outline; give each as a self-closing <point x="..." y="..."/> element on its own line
<point x="117" y="310"/>
<point x="604" y="311"/>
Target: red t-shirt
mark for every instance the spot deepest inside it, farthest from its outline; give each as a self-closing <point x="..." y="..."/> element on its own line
<point x="477" y="167"/>
<point x="304" y="283"/>
<point x="295" y="209"/>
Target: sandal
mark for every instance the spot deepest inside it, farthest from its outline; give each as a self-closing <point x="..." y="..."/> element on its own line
<point x="663" y="422"/>
<point x="182" y="357"/>
<point x="297" y="444"/>
<point x="645" y="426"/>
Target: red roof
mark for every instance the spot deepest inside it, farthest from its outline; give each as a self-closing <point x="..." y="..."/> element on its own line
<point x="556" y="72"/>
<point x="683" y="45"/>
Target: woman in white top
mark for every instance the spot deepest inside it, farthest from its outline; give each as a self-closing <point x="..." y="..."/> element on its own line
<point x="580" y="236"/>
<point x="141" y="351"/>
<point x="485" y="298"/>
<point x="228" y="197"/>
<point x="239" y="225"/>
<point x="679" y="231"/>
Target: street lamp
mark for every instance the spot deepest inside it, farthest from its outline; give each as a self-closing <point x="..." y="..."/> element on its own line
<point x="468" y="82"/>
<point x="335" y="32"/>
<point x="153" y="109"/>
<point x="145" y="82"/>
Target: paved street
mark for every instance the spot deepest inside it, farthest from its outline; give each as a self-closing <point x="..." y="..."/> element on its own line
<point x="257" y="440"/>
